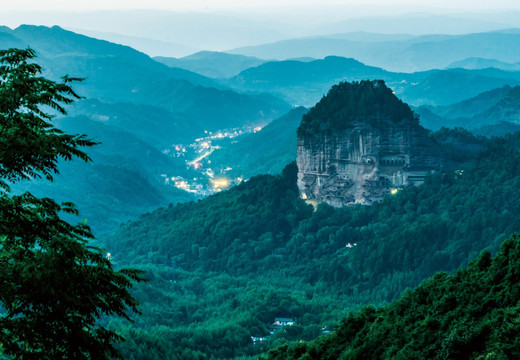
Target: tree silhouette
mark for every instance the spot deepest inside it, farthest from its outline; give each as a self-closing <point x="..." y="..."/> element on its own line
<point x="54" y="286"/>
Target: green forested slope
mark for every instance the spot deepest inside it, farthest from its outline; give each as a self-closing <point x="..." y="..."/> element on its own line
<point x="263" y="152"/>
<point x="472" y="314"/>
<point x="222" y="268"/>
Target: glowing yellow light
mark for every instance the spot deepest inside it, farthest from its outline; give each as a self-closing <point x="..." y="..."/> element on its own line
<point x="181" y="184"/>
<point x="220" y="183"/>
<point x="394" y="191"/>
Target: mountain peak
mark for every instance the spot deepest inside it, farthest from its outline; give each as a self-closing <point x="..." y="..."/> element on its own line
<point x="361" y="143"/>
<point x="346" y="104"/>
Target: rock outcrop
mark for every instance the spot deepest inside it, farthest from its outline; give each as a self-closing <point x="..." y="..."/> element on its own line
<point x="349" y="154"/>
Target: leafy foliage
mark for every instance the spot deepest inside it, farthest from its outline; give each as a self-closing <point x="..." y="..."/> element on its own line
<point x="54" y="286"/>
<point x="25" y="125"/>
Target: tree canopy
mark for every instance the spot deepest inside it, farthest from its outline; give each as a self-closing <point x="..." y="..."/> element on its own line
<point x="369" y="102"/>
<point x="471" y="314"/>
<point x="54" y="286"/>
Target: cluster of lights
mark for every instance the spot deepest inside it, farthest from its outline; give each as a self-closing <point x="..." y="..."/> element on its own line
<point x="182" y="184"/>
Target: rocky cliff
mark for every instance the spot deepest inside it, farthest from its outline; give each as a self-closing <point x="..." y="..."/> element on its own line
<point x="360" y="143"/>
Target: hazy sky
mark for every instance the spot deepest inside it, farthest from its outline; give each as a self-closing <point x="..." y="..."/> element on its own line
<point x="229" y="24"/>
<point x="8" y="5"/>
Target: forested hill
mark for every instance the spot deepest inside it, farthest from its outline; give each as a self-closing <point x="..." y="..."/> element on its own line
<point x="257" y="251"/>
<point x="348" y="104"/>
<point x="472" y="314"/>
<point x="263" y="152"/>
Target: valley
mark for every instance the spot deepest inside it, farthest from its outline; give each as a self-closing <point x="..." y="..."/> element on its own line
<point x="196" y="156"/>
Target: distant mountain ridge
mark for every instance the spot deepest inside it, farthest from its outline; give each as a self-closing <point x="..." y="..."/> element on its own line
<point x="304" y="83"/>
<point x="212" y="64"/>
<point x="475" y="63"/>
<point x="496" y="107"/>
<point x="149" y="46"/>
<point x="116" y="73"/>
<point x="506" y="110"/>
<point x="403" y="55"/>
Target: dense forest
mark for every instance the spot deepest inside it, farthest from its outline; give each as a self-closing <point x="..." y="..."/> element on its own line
<point x="347" y="103"/>
<point x="221" y="269"/>
<point x="472" y="314"/>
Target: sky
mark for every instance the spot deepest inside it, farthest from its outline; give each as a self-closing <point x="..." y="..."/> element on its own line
<point x="216" y="5"/>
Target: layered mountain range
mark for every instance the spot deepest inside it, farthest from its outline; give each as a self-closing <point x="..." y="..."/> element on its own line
<point x="136" y="107"/>
<point x="493" y="112"/>
<point x="402" y="54"/>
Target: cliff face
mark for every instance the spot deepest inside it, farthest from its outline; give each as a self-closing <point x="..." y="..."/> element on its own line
<point x="365" y="161"/>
